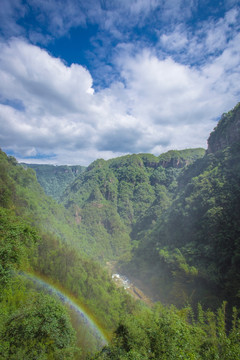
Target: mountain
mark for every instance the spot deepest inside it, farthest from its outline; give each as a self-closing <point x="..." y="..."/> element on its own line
<point x="55" y="179"/>
<point x="193" y="251"/>
<point x="39" y="249"/>
<point x="166" y="219"/>
<point x="113" y="200"/>
<point x="172" y="222"/>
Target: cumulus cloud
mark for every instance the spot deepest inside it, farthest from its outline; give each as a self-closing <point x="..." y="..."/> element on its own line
<point x="56" y="100"/>
<point x="31" y="73"/>
<point x="50" y="109"/>
<point x="161" y="89"/>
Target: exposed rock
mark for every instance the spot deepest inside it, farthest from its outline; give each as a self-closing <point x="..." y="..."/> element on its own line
<point x="226" y="132"/>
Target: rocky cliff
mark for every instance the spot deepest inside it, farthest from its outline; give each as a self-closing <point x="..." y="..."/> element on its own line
<point x="226" y="132"/>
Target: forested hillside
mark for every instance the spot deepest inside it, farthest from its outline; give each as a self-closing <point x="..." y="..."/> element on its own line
<point x="173" y="225"/>
<point x="55" y="179"/>
<point x="111" y="201"/>
<point x="193" y="251"/>
<point x="116" y="199"/>
<point x="34" y="324"/>
<point x="171" y="214"/>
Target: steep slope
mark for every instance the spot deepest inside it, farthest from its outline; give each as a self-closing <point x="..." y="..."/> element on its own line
<point x="115" y="199"/>
<point x="227" y="131"/>
<point x="193" y="252"/>
<point x="55" y="179"/>
<point x="33" y="324"/>
<point x="21" y="191"/>
<point x="29" y="199"/>
<point x="192" y="225"/>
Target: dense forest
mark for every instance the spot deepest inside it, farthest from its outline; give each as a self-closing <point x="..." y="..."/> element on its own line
<point x="112" y="200"/>
<point x="170" y="223"/>
<point x="27" y="246"/>
<point x="193" y="250"/>
<point x="55" y="179"/>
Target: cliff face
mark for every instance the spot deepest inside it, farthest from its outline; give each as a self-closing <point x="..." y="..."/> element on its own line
<point x="180" y="159"/>
<point x="176" y="163"/>
<point x="227" y="131"/>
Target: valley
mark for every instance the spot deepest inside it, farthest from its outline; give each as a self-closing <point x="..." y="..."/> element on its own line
<point x="130" y="286"/>
<point x="119" y="180"/>
<point x="148" y="246"/>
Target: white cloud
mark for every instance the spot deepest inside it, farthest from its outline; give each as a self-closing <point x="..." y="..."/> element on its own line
<point x="217" y="33"/>
<point x="42" y="82"/>
<point x="9" y="12"/>
<point x="174" y="41"/>
<point x="57" y="100"/>
<point x="173" y="10"/>
<point x="161" y="89"/>
<point x="116" y="17"/>
<point x="196" y="44"/>
<point x="58" y="16"/>
<point x="159" y="104"/>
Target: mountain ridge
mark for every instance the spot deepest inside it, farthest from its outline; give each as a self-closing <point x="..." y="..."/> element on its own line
<point x="192" y="252"/>
<point x="176" y="228"/>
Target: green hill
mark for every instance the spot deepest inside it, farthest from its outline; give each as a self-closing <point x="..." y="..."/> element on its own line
<point x="39" y="238"/>
<point x="173" y="224"/>
<point x="55" y="179"/>
<point x="113" y="200"/>
<point x="193" y="251"/>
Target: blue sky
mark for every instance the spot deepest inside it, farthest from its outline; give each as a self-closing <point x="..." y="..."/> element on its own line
<point x="82" y="80"/>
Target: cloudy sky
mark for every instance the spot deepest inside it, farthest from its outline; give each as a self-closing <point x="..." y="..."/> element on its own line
<point x="81" y="80"/>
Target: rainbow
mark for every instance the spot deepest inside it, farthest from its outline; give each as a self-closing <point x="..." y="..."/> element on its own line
<point x="69" y="299"/>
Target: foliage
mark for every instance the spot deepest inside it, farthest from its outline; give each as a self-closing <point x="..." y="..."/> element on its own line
<point x="114" y="198"/>
<point x="55" y="179"/>
<point x="192" y="252"/>
<point x="83" y="278"/>
<point x="177" y="215"/>
<point x="26" y="215"/>
<point x="167" y="334"/>
<point x="17" y="241"/>
<point x="31" y="325"/>
<point x="40" y="328"/>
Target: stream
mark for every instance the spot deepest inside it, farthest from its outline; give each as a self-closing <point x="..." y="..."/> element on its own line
<point x="123" y="281"/>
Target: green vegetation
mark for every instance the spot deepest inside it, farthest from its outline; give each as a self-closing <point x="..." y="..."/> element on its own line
<point x="31" y="324"/>
<point x="192" y="253"/>
<point x="39" y="328"/>
<point x="170" y="334"/>
<point x="172" y="222"/>
<point x="114" y="200"/>
<point x="35" y="325"/>
<point x="55" y="179"/>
